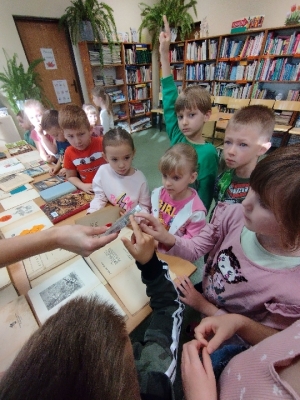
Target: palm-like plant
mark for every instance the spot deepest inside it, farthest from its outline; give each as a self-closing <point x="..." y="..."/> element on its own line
<point x="18" y="84"/>
<point x="176" y="12"/>
<point x="101" y="19"/>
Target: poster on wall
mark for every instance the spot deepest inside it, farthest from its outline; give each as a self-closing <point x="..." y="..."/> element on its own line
<point x="62" y="91"/>
<point x="49" y="59"/>
<point x="247" y="23"/>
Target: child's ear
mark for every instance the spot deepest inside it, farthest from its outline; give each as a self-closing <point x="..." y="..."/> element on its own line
<point x="264" y="148"/>
<point x="207" y="116"/>
<point x="193" y="177"/>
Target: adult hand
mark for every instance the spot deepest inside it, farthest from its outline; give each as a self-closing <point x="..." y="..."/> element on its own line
<point x="141" y="246"/>
<point x="81" y="239"/>
<point x="154" y="228"/>
<point x="197" y="377"/>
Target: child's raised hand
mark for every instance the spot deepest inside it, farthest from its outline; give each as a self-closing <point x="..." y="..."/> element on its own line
<point x="197" y="377"/>
<point x="165" y="37"/>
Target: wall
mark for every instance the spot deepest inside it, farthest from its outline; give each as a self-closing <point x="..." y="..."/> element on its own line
<point x="220" y="14"/>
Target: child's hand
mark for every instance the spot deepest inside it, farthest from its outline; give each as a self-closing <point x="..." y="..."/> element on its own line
<point x="87" y="187"/>
<point x="52" y="171"/>
<point x="62" y="172"/>
<point x="51" y="159"/>
<point x="156" y="229"/>
<point x="165" y="37"/>
<point x="197" y="377"/>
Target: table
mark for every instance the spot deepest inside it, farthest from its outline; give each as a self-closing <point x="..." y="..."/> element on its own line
<point x="21" y="282"/>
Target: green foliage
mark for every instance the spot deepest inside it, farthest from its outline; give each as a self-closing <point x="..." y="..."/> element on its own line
<point x="100" y="15"/>
<point x="176" y="12"/>
<point x="19" y="84"/>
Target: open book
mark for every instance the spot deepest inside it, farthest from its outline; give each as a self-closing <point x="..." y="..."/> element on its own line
<point x="17" y="324"/>
<point x="74" y="279"/>
<point x="11" y="182"/>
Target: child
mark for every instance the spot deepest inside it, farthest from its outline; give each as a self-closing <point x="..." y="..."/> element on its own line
<point x="176" y="205"/>
<point x="84" y="156"/>
<point x="51" y="126"/>
<point x="185" y="121"/>
<point x="118" y="182"/>
<point x="92" y="115"/>
<point x="102" y="100"/>
<point x="253" y="266"/>
<point x="44" y="143"/>
<point x="83" y="352"/>
<point x="247" y="137"/>
<point x="26" y="126"/>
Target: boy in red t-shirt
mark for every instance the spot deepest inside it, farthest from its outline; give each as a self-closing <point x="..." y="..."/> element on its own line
<point x="85" y="155"/>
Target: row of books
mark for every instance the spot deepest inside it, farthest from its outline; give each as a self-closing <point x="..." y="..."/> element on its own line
<point x="110" y="56"/>
<point x="282" y="44"/>
<point x="135" y="74"/>
<point x="249" y="46"/>
<point x="262" y="93"/>
<point x="139" y="91"/>
<point x="176" y="53"/>
<point x="204" y="50"/>
<point x="200" y="72"/>
<point x="138" y="54"/>
<point x="142" y="123"/>
<point x="139" y="107"/>
<point x="177" y="71"/>
<point x="278" y="70"/>
<point x="293" y="95"/>
<point x="232" y="90"/>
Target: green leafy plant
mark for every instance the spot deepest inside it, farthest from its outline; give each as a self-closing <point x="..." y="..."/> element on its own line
<point x="100" y="17"/>
<point x="177" y="13"/>
<point x="19" y="84"/>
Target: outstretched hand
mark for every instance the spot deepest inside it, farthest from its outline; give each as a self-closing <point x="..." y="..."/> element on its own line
<point x="197" y="377"/>
<point x="141" y="246"/>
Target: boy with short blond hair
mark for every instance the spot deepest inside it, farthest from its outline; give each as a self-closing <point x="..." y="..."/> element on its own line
<point x="85" y="155"/>
<point x="51" y="126"/>
<point x="247" y="137"/>
<point x="185" y="116"/>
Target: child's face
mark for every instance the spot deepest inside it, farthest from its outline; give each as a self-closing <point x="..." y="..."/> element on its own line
<point x="21" y="122"/>
<point x="34" y="115"/>
<point x="258" y="218"/>
<point x="176" y="184"/>
<point x="79" y="138"/>
<point x="97" y="101"/>
<point x="242" y="147"/>
<point x="92" y="117"/>
<point x="120" y="158"/>
<point x="191" y="122"/>
<point x="57" y="133"/>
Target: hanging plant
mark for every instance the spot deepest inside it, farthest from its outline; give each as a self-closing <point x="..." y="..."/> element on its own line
<point x="90" y="20"/>
<point x="177" y="13"/>
<point x="19" y="84"/>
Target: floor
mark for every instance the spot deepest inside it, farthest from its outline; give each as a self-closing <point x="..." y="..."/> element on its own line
<point x="150" y="145"/>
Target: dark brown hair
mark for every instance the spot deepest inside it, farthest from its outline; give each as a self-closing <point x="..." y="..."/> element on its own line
<point x="78" y="354"/>
<point x="276" y="179"/>
<point x="193" y="97"/>
<point x="259" y="115"/>
<point x="72" y="116"/>
<point x="50" y="120"/>
<point x="177" y="158"/>
<point x="117" y="136"/>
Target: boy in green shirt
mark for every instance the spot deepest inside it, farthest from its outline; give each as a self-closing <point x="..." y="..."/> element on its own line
<point x="185" y="116"/>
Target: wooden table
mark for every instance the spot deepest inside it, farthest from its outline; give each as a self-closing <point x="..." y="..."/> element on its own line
<point x="21" y="282"/>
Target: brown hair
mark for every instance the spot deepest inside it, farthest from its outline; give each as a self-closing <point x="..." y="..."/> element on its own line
<point x="276" y="179"/>
<point x="72" y="116"/>
<point x="193" y="97"/>
<point x="177" y="158"/>
<point x="117" y="136"/>
<point x="21" y="114"/>
<point x="50" y="120"/>
<point x="79" y="353"/>
<point x="99" y="91"/>
<point x="259" y="115"/>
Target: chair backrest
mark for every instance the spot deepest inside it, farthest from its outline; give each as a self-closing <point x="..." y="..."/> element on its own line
<point x="223" y="100"/>
<point x="212" y="98"/>
<point x="286" y="105"/>
<point x="262" y="102"/>
<point x="236" y="104"/>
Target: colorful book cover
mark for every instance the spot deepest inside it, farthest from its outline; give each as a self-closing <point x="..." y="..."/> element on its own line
<point x="47" y="183"/>
<point x="19" y="147"/>
<point x="66" y="206"/>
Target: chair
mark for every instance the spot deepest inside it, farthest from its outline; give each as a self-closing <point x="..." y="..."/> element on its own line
<point x="209" y="127"/>
<point x="285" y="115"/>
<point x="221" y="102"/>
<point x="159" y="111"/>
<point x="262" y="102"/>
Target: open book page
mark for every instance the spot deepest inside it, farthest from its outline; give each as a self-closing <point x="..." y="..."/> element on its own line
<point x="13" y="181"/>
<point x="19" y="198"/>
<point x="4" y="278"/>
<point x="29" y="224"/>
<point x="95" y="270"/>
<point x="8" y="294"/>
<point x="106" y="216"/>
<point x="17" y="324"/>
<point x="23" y="188"/>
<point x="31" y="159"/>
<point x="17" y="213"/>
<point x="10" y="165"/>
<point x="77" y="279"/>
<point x="41" y="263"/>
<point x="119" y="269"/>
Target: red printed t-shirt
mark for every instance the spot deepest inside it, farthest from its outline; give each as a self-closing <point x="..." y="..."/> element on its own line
<point x="87" y="161"/>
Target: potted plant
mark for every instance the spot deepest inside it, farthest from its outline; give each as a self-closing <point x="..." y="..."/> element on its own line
<point x="177" y="13"/>
<point x="90" y="20"/>
<point x="19" y="84"/>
